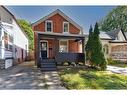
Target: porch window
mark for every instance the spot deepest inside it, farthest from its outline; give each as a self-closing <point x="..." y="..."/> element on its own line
<point x="63" y="46"/>
<point x="48" y="26"/>
<point x="65" y="27"/>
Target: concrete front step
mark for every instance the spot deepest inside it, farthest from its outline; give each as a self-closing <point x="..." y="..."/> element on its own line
<point x="47" y="60"/>
<point x="48" y="69"/>
<point x="48" y="63"/>
<point x="48" y="66"/>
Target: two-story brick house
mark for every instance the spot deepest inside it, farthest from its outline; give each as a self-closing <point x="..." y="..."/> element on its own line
<point x="58" y="37"/>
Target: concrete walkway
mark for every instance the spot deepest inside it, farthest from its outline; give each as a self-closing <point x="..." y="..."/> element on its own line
<point x="52" y="80"/>
<point x="118" y="70"/>
<point x="27" y="76"/>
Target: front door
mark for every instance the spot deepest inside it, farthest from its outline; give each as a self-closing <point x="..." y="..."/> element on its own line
<point x="44" y="49"/>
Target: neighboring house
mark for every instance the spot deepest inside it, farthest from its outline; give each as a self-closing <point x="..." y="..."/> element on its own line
<point x="126" y="34"/>
<point x="13" y="40"/>
<point x="114" y="44"/>
<point x="58" y="37"/>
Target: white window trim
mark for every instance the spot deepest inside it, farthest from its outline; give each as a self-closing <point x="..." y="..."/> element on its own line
<point x="67" y="44"/>
<point x="47" y="47"/>
<point x="65" y="22"/>
<point x="46" y="26"/>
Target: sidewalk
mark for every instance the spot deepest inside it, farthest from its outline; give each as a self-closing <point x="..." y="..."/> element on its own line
<point x="52" y="81"/>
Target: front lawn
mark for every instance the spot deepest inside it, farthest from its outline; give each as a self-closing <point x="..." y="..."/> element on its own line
<point x="78" y="78"/>
<point x="123" y="65"/>
<point x="117" y="63"/>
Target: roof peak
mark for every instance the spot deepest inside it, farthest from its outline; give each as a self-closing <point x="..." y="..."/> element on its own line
<point x="60" y="13"/>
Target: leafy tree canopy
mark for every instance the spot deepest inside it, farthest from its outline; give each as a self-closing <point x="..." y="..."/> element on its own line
<point x="28" y="30"/>
<point x="117" y="18"/>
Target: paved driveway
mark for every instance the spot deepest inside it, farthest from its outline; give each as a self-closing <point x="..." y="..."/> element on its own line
<point x="118" y="70"/>
<point x="27" y="76"/>
<point x="23" y="76"/>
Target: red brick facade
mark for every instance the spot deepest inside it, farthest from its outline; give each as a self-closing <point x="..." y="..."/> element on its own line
<point x="57" y="20"/>
<point x="57" y="25"/>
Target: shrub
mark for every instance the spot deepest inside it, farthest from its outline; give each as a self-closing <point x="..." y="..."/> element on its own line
<point x="65" y="63"/>
<point x="73" y="64"/>
<point x="111" y="61"/>
<point x="80" y="63"/>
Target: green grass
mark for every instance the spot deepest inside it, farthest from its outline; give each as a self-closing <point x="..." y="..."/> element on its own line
<point x="77" y="78"/>
<point x="123" y="65"/>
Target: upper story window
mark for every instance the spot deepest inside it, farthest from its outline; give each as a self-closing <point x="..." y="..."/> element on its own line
<point x="49" y="25"/>
<point x="0" y="31"/>
<point x="8" y="41"/>
<point x="65" y="27"/>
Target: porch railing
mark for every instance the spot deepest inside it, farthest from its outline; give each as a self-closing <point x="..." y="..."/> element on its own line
<point x="71" y="57"/>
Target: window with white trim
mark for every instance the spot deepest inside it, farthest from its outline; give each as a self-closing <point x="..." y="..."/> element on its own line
<point x="63" y="46"/>
<point x="6" y="40"/>
<point x="49" y="26"/>
<point x="65" y="27"/>
<point x="0" y="36"/>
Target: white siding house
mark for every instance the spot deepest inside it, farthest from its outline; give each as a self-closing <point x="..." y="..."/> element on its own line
<point x="13" y="40"/>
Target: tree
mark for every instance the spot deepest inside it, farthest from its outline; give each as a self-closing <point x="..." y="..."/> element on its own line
<point x="97" y="56"/>
<point x="94" y="51"/>
<point x="117" y="18"/>
<point x="88" y="47"/>
<point x="28" y="30"/>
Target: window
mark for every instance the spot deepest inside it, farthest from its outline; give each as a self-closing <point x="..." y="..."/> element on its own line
<point x="5" y="40"/>
<point x="10" y="38"/>
<point x="5" y="36"/>
<point x="63" y="46"/>
<point x="10" y="47"/>
<point x="0" y="36"/>
<point x="0" y="30"/>
<point x="6" y="44"/>
<point x="48" y="26"/>
<point x="65" y="27"/>
<point x="8" y="41"/>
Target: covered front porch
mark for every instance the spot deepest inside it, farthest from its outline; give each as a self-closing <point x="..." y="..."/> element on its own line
<point x="59" y="48"/>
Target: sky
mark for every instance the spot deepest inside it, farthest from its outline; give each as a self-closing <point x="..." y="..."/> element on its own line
<point x="83" y="15"/>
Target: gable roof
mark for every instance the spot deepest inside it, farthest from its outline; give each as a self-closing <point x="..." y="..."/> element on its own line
<point x="104" y="35"/>
<point x="125" y="34"/>
<point x="60" y="13"/>
<point x="15" y="20"/>
<point x="114" y="33"/>
<point x="111" y="35"/>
